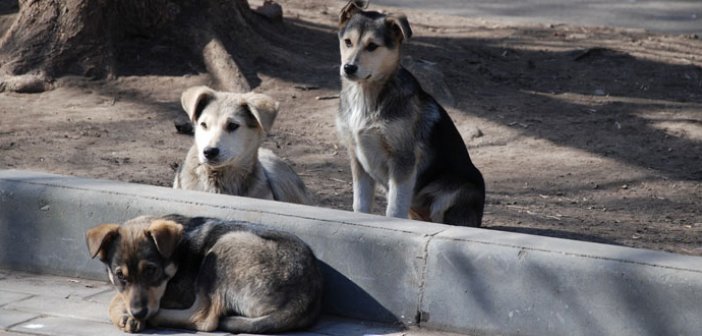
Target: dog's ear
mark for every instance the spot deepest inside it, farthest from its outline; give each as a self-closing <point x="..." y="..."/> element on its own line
<point x="263" y="108"/>
<point x="352" y="8"/>
<point x="195" y="99"/>
<point x="99" y="237"/>
<point x="166" y="234"/>
<point x="400" y="26"/>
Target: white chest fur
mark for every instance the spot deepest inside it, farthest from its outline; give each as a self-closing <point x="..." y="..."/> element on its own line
<point x="364" y="134"/>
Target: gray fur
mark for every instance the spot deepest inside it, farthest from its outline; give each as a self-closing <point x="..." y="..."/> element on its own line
<point x="249" y="170"/>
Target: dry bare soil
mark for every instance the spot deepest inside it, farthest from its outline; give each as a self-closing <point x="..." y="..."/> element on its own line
<point x="587" y="133"/>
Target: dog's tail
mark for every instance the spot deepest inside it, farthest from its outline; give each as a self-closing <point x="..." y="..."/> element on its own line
<point x="274" y="322"/>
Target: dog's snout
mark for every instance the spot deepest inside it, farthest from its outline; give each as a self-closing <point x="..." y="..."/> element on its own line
<point x="139" y="313"/>
<point x="211" y="152"/>
<point x="350" y="69"/>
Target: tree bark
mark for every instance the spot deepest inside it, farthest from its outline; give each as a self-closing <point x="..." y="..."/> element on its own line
<point x="53" y="38"/>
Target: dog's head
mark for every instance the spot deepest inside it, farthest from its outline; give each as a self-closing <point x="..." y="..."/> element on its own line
<point x="228" y="126"/>
<point x="138" y="259"/>
<point x="370" y="42"/>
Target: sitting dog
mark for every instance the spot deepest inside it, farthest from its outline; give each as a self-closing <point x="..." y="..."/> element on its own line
<point x="226" y="158"/>
<point x="396" y="133"/>
<point x="206" y="274"/>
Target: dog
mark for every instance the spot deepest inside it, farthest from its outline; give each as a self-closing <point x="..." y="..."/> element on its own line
<point x="396" y="134"/>
<point x="226" y="156"/>
<point x="206" y="274"/>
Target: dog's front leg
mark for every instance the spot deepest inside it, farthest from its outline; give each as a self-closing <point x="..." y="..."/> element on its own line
<point x="363" y="186"/>
<point x="120" y="316"/>
<point x="400" y="191"/>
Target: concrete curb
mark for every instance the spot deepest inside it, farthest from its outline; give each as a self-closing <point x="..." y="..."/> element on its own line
<point x="383" y="269"/>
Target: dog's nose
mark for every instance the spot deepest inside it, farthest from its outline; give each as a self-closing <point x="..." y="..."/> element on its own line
<point x="139" y="313"/>
<point x="350" y="69"/>
<point x="211" y="152"/>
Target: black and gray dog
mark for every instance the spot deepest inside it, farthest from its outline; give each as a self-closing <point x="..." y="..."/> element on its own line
<point x="207" y="274"/>
<point x="396" y="134"/>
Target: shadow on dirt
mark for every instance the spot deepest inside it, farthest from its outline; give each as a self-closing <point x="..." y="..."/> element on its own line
<point x="518" y="88"/>
<point x="621" y="87"/>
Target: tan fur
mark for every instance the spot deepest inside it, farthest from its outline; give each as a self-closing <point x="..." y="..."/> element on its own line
<point x="121" y="318"/>
<point x="166" y="235"/>
<point x="98" y="236"/>
<point x="241" y="168"/>
<point x="268" y="280"/>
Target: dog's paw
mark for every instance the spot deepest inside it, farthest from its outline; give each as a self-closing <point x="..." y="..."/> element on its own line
<point x="130" y="324"/>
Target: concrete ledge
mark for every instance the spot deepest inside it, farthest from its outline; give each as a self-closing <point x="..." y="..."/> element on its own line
<point x="382" y="269"/>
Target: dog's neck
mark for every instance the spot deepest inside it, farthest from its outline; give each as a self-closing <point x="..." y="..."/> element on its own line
<point x="237" y="174"/>
<point x="369" y="92"/>
<point x="365" y="93"/>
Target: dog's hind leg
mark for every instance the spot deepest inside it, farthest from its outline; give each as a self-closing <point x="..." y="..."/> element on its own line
<point x="467" y="209"/>
<point x="462" y="216"/>
<point x="203" y="315"/>
<point x="277" y="321"/>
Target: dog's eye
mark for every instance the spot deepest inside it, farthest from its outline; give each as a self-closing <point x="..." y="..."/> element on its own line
<point x="203" y="124"/>
<point x="231" y="127"/>
<point x="371" y="46"/>
<point x="348" y="43"/>
<point x="120" y="276"/>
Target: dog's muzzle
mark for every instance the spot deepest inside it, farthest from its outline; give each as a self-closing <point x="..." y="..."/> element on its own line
<point x="211" y="153"/>
<point x="350" y="69"/>
<point x="351" y="72"/>
<point x="139" y="313"/>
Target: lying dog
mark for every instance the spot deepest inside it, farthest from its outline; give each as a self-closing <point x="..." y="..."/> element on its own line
<point x="206" y="274"/>
<point x="396" y="133"/>
<point x="226" y="158"/>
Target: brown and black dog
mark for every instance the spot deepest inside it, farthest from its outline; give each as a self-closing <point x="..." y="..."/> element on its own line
<point x="397" y="135"/>
<point x="207" y="274"/>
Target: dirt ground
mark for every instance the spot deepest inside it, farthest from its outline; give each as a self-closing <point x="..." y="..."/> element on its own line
<point x="584" y="133"/>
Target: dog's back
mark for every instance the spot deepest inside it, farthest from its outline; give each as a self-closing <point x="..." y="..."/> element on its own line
<point x="447" y="182"/>
<point x="285" y="184"/>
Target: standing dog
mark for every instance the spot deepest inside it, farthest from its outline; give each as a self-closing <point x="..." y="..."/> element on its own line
<point x="226" y="158"/>
<point x="206" y="274"/>
<point x="396" y="133"/>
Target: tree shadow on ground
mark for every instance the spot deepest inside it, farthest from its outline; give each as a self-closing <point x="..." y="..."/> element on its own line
<point x="572" y="284"/>
<point x="590" y="94"/>
<point x="520" y="88"/>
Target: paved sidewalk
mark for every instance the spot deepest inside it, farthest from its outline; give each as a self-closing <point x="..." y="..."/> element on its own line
<point x="33" y="304"/>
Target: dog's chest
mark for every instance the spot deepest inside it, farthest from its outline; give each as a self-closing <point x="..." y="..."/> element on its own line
<point x="365" y="137"/>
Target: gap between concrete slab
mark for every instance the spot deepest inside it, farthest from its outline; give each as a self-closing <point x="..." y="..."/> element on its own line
<point x="425" y="261"/>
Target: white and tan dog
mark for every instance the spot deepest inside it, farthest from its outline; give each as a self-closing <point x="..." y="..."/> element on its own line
<point x="226" y="157"/>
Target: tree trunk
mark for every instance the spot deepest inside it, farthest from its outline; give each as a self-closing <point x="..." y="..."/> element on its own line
<point x="52" y="38"/>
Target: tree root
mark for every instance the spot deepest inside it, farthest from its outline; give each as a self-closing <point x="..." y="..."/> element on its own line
<point x="27" y="83"/>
